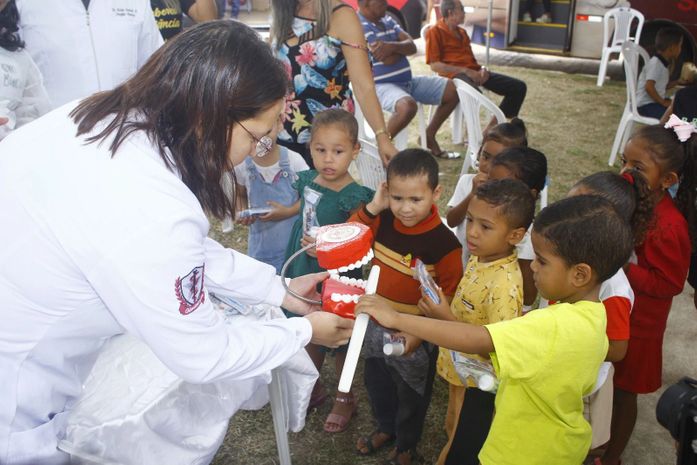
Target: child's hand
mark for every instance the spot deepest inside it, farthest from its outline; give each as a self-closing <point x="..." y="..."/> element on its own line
<point x="247" y="220"/>
<point x="378" y="308"/>
<point x="381" y="200"/>
<point x="306" y="240"/>
<point x="279" y="212"/>
<point x="411" y="343"/>
<point x="479" y="179"/>
<point x="431" y="309"/>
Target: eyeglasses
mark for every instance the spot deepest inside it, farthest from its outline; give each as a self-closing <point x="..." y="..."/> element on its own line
<point x="263" y="145"/>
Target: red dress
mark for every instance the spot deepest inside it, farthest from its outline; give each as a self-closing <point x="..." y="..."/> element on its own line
<point x="659" y="275"/>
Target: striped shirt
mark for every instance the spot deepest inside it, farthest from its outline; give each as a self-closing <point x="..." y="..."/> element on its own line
<point x="386" y="30"/>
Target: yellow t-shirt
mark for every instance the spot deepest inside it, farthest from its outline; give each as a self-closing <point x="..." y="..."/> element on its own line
<point x="487" y="293"/>
<point x="546" y="362"/>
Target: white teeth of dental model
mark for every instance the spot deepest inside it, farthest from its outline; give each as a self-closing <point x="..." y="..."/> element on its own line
<point x="358" y="264"/>
<point x="343" y="269"/>
<point x="333" y="274"/>
<point x="346" y="298"/>
<point x="351" y="266"/>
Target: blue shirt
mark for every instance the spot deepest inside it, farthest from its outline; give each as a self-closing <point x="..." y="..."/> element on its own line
<point x="386" y="30"/>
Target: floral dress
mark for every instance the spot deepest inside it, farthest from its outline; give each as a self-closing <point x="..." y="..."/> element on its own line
<point x="317" y="68"/>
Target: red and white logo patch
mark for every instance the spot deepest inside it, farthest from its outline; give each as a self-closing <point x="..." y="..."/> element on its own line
<point x="189" y="290"/>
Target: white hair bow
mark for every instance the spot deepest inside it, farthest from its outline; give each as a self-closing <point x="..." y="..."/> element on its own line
<point x="683" y="128"/>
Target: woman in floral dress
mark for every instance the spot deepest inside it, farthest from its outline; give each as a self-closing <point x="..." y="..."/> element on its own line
<point x="322" y="47"/>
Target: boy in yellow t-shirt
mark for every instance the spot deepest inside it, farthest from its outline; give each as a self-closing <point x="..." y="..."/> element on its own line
<point x="491" y="290"/>
<point x="547" y="360"/>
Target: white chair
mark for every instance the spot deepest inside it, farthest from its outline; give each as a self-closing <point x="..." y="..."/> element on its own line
<point x="456" y="134"/>
<point x="401" y="139"/>
<point x="623" y="18"/>
<point x="471" y="104"/>
<point x="369" y="165"/>
<point x="631" y="53"/>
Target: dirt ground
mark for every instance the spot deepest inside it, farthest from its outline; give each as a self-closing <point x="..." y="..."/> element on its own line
<point x="573" y="122"/>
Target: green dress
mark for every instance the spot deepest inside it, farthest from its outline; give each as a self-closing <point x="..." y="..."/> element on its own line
<point x="333" y="208"/>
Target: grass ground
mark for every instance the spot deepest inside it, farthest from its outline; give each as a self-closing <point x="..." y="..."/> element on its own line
<point x="570" y="120"/>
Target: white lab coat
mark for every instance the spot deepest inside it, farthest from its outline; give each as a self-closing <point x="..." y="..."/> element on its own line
<point x="22" y="94"/>
<point x="93" y="246"/>
<point x="81" y="51"/>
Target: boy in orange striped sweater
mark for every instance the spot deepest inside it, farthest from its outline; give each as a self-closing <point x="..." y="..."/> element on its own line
<point x="406" y="225"/>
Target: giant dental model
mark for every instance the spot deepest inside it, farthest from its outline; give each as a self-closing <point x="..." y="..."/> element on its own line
<point x="342" y="248"/>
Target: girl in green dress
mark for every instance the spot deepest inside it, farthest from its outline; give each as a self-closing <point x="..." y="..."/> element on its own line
<point x="328" y="195"/>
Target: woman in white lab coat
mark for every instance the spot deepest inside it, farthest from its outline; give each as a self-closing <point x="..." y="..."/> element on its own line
<point x="104" y="231"/>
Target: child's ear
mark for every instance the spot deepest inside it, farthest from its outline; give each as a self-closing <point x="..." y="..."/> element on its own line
<point x="356" y="149"/>
<point x="516" y="235"/>
<point x="581" y="275"/>
<point x="535" y="193"/>
<point x="437" y="192"/>
<point x="669" y="179"/>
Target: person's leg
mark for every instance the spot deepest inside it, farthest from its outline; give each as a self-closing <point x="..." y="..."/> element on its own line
<point x="435" y="90"/>
<point x="624" y="413"/>
<point x="344" y="404"/>
<point x="382" y="394"/>
<point x="476" y="415"/>
<point x="396" y="100"/>
<point x="235" y="8"/>
<point x="412" y="408"/>
<point x="456" y="395"/>
<point x="513" y="91"/>
<point x="319" y="394"/>
<point x="652" y="110"/>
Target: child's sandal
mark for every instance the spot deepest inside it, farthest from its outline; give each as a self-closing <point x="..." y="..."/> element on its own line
<point x="368" y="444"/>
<point x="408" y="457"/>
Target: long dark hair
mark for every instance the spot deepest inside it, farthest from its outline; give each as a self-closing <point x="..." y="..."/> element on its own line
<point x="681" y="158"/>
<point x="283" y="12"/>
<point x="9" y="19"/>
<point x="629" y="194"/>
<point x="186" y="98"/>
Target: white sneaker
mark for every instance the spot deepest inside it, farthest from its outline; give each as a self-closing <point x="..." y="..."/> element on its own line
<point x="527" y="18"/>
<point x="544" y="18"/>
<point x="227" y="225"/>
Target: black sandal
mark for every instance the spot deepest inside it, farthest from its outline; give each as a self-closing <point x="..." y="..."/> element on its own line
<point x="369" y="447"/>
<point x="414" y="457"/>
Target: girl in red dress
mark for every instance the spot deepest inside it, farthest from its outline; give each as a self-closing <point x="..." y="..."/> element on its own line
<point x="658" y="273"/>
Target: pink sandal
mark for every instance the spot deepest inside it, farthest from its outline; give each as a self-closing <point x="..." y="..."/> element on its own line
<point x="341" y="421"/>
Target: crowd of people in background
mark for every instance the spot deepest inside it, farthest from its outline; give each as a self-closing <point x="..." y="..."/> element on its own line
<point x="609" y="258"/>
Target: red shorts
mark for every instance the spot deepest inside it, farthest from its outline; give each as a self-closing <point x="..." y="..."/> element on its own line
<point x="641" y="369"/>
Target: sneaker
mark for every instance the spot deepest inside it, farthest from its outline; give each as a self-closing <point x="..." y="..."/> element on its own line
<point x="527" y="18"/>
<point x="227" y="225"/>
<point x="545" y="18"/>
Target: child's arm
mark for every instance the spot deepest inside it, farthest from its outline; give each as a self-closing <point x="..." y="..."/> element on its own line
<point x="529" y="289"/>
<point x="651" y="90"/>
<point x="461" y="337"/>
<point x="369" y="214"/>
<point x="280" y="212"/>
<point x="457" y="213"/>
<point x="241" y="204"/>
<point x="616" y="350"/>
<point x="669" y="259"/>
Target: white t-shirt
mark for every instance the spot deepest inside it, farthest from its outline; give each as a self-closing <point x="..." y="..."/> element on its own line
<point x="296" y="161"/>
<point x="462" y="190"/>
<point x="655" y="70"/>
<point x="93" y="246"/>
<point x="22" y="94"/>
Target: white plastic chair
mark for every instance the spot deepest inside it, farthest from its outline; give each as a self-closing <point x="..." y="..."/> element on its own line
<point x="456" y="134"/>
<point x="369" y="165"/>
<point x="623" y="18"/>
<point x="631" y="53"/>
<point x="401" y="139"/>
<point x="471" y="103"/>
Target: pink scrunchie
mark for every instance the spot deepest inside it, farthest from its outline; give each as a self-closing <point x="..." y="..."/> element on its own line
<point x="683" y="129"/>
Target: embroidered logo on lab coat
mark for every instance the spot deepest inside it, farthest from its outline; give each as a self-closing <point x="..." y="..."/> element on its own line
<point x="189" y="290"/>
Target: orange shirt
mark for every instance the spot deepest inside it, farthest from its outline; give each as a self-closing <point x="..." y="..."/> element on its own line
<point x="449" y="47"/>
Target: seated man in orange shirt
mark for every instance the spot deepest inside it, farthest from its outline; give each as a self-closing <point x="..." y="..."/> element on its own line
<point x="449" y="54"/>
